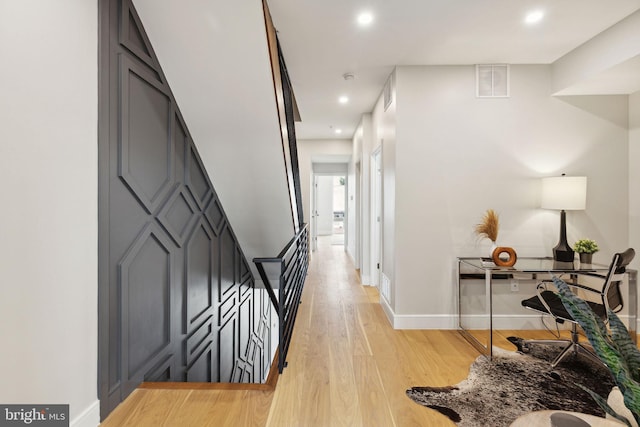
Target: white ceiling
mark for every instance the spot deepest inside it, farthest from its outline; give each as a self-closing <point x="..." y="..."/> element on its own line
<point x="321" y="41"/>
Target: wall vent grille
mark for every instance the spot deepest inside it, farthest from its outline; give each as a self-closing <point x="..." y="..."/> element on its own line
<point x="385" y="287"/>
<point x="492" y="81"/>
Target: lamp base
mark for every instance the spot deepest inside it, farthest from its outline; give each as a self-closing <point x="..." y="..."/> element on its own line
<point x="563" y="252"/>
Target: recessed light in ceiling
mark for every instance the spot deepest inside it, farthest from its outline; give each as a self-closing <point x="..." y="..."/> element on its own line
<point x="343" y="99"/>
<point x="534" y="17"/>
<point x="338" y="131"/>
<point x="365" y="19"/>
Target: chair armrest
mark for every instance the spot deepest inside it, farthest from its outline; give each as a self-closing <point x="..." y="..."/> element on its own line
<point x="575" y="285"/>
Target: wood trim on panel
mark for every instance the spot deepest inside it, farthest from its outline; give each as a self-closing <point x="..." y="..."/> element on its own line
<point x="272" y="41"/>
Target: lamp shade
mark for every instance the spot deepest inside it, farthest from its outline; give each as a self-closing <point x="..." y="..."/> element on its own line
<point x="564" y="193"/>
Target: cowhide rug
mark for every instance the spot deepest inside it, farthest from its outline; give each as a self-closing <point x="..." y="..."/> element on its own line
<point x="497" y="392"/>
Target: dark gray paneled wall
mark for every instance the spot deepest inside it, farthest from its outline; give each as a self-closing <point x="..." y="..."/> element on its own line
<point x="177" y="298"/>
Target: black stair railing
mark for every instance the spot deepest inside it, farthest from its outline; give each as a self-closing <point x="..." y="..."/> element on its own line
<point x="293" y="263"/>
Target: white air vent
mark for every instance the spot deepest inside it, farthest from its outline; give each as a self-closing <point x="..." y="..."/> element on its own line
<point x="492" y="81"/>
<point x="385" y="288"/>
<point x="388" y="92"/>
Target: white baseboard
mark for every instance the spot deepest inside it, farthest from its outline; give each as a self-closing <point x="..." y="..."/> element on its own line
<point x="90" y="417"/>
<point x="418" y="321"/>
<point x="506" y="321"/>
<point x="387" y="310"/>
<point x="425" y="321"/>
<point x="450" y="321"/>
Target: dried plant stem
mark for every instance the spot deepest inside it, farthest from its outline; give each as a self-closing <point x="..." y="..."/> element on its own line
<point x="489" y="226"/>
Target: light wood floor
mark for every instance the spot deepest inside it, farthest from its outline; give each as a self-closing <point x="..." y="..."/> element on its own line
<point x="347" y="367"/>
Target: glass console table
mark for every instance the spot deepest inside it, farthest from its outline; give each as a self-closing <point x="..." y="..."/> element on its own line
<point x="476" y="292"/>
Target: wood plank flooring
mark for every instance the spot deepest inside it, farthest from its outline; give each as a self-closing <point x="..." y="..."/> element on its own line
<point x="347" y="367"/>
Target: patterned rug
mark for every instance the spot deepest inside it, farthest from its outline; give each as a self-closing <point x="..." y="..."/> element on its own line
<point x="497" y="392"/>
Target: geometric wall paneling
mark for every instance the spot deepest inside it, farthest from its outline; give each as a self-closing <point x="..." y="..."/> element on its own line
<point x="146" y="149"/>
<point x="180" y="141"/>
<point x="228" y="308"/>
<point x="245" y="272"/>
<point x="262" y="330"/>
<point x="132" y="38"/>
<point x="226" y="350"/>
<point x="163" y="371"/>
<point x="200" y="339"/>
<point x="201" y="370"/>
<point x="245" y="327"/>
<point x="246" y="283"/>
<point x="196" y="177"/>
<point x="146" y="273"/>
<point x="227" y="262"/>
<point x="200" y="347"/>
<point x="253" y="354"/>
<point x="215" y="215"/>
<point x="176" y="295"/>
<point x="199" y="273"/>
<point x="177" y="215"/>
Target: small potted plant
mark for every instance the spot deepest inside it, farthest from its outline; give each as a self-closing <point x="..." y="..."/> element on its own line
<point x="586" y="248"/>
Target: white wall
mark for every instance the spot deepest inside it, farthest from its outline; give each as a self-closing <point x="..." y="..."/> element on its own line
<point x="457" y="155"/>
<point x="634" y="175"/>
<point x="48" y="223"/>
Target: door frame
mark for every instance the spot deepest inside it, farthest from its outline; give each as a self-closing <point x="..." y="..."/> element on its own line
<point x="376" y="216"/>
<point x="314" y="211"/>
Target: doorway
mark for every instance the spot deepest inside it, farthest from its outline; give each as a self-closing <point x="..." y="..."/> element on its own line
<point x="329" y="208"/>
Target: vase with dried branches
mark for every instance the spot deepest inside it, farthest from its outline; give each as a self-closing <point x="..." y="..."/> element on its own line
<point x="488" y="227"/>
<point x="502" y="256"/>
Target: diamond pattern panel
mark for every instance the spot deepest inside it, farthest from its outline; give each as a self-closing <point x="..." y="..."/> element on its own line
<point x="146" y="273"/>
<point x="146" y="149"/>
<point x="177" y="216"/>
<point x="196" y="178"/>
<point x="199" y="273"/>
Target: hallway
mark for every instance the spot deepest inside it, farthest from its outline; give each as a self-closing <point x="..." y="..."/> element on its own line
<point x="347" y="367"/>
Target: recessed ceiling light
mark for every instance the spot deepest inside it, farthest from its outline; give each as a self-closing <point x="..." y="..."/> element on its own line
<point x="365" y="19"/>
<point x="343" y="99"/>
<point x="338" y="131"/>
<point x="534" y="17"/>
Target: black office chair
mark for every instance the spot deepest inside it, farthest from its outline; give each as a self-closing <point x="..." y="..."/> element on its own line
<point x="548" y="302"/>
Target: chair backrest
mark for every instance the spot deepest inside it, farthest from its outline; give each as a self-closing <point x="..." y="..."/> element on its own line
<point x="611" y="294"/>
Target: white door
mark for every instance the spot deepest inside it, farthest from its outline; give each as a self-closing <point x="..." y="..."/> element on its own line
<point x="324" y="205"/>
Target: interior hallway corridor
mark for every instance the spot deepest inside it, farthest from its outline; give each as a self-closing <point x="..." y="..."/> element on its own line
<point x="347" y="367"/>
